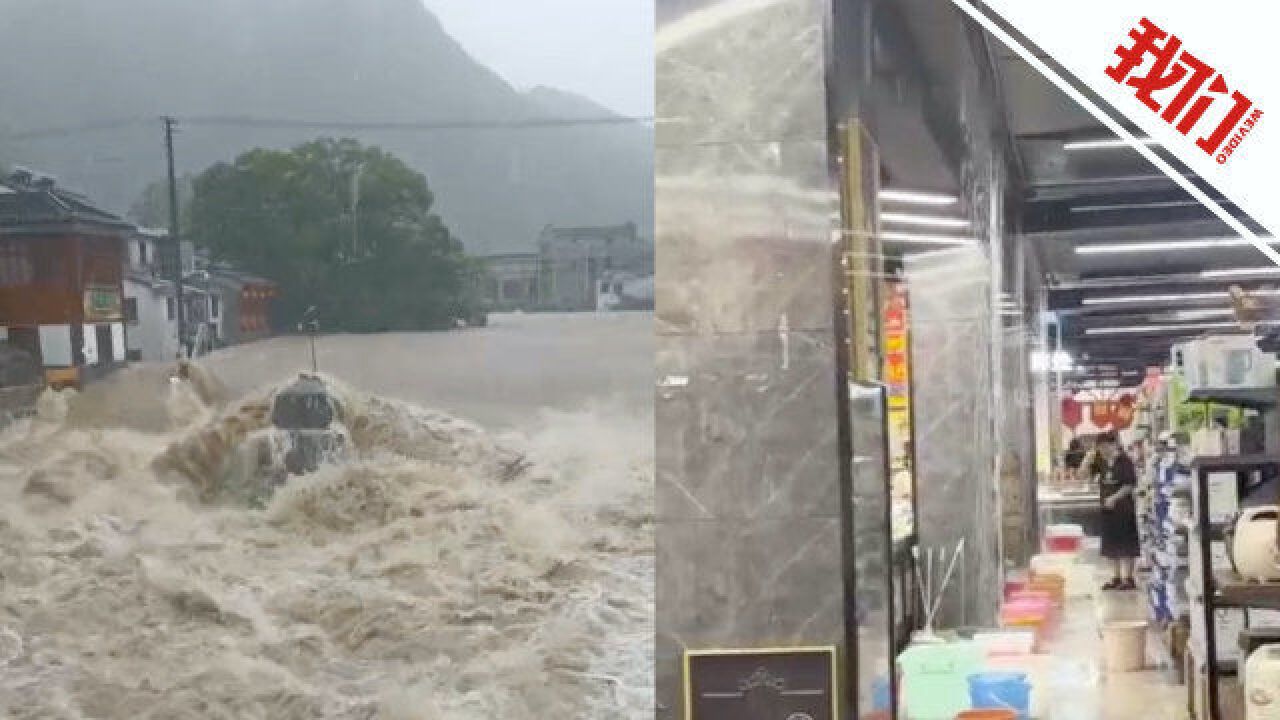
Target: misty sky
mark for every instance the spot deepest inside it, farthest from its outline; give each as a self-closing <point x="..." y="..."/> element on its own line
<point x="602" y="49"/>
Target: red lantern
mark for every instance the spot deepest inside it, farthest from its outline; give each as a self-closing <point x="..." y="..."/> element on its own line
<point x="1071" y="412"/>
<point x="1102" y="414"/>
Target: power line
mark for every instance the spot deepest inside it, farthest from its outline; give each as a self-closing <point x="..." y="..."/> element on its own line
<point x="249" y="121"/>
<point x="297" y="123"/>
<point x="116" y="124"/>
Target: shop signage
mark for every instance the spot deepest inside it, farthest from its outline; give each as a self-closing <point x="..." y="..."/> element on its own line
<point x="761" y="684"/>
<point x="896" y="360"/>
<point x="1107" y="410"/>
<point x="1113" y="414"/>
<point x="102" y="302"/>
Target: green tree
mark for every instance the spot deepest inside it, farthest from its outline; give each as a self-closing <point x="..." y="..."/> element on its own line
<point x="151" y="209"/>
<point x="288" y="216"/>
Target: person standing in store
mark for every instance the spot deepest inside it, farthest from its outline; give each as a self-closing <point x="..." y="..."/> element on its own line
<point x="1073" y="458"/>
<point x="1117" y="481"/>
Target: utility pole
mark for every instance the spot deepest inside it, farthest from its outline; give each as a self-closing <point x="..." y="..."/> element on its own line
<point x="355" y="213"/>
<point x="173" y="232"/>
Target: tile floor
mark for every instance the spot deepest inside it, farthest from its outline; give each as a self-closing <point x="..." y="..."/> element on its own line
<point x="1084" y="691"/>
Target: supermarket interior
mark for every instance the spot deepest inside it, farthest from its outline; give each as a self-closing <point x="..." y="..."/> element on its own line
<point x="943" y="363"/>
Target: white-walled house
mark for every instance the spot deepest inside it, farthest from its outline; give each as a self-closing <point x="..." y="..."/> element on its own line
<point x="208" y="301"/>
<point x="149" y="304"/>
<point x="152" y="325"/>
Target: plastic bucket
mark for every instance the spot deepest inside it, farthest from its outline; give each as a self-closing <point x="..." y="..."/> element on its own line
<point x="1028" y="615"/>
<point x="1079" y="581"/>
<point x="996" y="643"/>
<point x="1052" y="564"/>
<point x="1001" y="691"/>
<point x="1039" y="670"/>
<point x="1063" y="544"/>
<point x="1051" y="582"/>
<point x="987" y="714"/>
<point x="1044" y="597"/>
<point x="1028" y="607"/>
<point x="1124" y="646"/>
<point x="880" y="694"/>
<point x="1013" y="585"/>
<point x="1054" y="585"/>
<point x="935" y="683"/>
<point x="1064" y="531"/>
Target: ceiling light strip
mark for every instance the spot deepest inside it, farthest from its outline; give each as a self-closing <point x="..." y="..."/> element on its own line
<point x="1239" y="272"/>
<point x="1158" y="329"/>
<point x="926" y="220"/>
<point x="917" y="197"/>
<point x="921" y="239"/>
<point x="1104" y="143"/>
<point x="1163" y="245"/>
<point x="1135" y="206"/>
<point x="1145" y="299"/>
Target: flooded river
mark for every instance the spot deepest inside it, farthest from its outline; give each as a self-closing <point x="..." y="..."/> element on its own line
<point x="484" y="550"/>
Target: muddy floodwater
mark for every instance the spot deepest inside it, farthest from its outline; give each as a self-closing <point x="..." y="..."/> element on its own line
<point x="483" y="548"/>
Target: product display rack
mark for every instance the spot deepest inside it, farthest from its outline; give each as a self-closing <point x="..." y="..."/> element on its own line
<point x="1164" y="540"/>
<point x="1214" y="591"/>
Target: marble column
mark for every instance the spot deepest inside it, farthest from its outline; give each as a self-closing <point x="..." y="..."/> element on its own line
<point x="748" y="493"/>
<point x="957" y="495"/>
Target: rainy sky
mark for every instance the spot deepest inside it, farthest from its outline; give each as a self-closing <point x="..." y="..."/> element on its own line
<point x="602" y="49"/>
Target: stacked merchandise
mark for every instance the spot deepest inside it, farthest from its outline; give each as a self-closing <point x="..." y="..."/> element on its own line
<point x="1222" y="505"/>
<point x="1164" y="537"/>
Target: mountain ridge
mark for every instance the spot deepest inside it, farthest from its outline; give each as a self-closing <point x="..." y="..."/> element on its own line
<point x="330" y="61"/>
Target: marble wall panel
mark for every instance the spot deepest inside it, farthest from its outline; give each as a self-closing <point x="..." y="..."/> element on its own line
<point x="746" y="427"/>
<point x="748" y="502"/>
<point x="722" y="584"/>
<point x="741" y="70"/>
<point x="950" y="355"/>
<point x="744" y="241"/>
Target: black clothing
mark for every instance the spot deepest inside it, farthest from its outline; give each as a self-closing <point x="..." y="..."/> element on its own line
<point x="1073" y="458"/>
<point x="1120" y="522"/>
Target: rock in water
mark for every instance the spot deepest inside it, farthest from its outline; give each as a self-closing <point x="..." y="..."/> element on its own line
<point x="307" y="404"/>
<point x="306" y="411"/>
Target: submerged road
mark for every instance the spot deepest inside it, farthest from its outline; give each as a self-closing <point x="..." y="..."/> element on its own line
<point x="497" y="376"/>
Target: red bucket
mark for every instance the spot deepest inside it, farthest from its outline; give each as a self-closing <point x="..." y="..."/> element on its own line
<point x="1014" y="586"/>
<point x="1063" y="543"/>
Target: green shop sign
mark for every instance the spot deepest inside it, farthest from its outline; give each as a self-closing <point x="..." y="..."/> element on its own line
<point x="102" y="303"/>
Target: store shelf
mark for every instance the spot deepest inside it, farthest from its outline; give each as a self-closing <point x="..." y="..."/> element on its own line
<point x="1255" y="398"/>
<point x="1225" y="667"/>
<point x="1239" y="594"/>
<point x="1217" y="530"/>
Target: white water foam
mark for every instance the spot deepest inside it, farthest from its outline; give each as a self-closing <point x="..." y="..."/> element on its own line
<point x="440" y="573"/>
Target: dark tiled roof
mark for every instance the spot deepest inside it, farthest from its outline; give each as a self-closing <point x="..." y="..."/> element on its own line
<point x="37" y="205"/>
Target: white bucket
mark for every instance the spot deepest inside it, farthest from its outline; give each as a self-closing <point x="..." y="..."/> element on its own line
<point x="1081" y="582"/>
<point x="1005" y="642"/>
<point x="1124" y="646"/>
<point x="1053" y="564"/>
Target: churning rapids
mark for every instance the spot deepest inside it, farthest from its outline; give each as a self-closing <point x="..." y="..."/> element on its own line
<point x="438" y="572"/>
